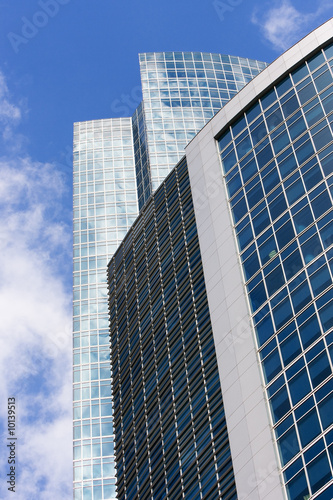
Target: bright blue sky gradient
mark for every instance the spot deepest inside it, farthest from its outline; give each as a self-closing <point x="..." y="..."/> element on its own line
<point x="76" y="60"/>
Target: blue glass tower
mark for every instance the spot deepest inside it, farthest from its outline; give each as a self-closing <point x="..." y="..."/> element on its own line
<point x="277" y="162"/>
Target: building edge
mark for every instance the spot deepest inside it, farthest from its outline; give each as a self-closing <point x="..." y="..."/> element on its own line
<point x="247" y="413"/>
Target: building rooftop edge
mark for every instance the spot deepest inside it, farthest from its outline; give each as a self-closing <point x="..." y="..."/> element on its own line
<point x="198" y="52"/>
<point x="268" y="77"/>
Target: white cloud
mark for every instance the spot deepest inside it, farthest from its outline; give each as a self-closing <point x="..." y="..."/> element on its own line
<point x="35" y="325"/>
<point x="283" y="24"/>
<point x="8" y="110"/>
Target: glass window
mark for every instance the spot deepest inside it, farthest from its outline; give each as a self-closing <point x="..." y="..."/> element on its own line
<point x="304" y="152"/>
<point x="238" y="126"/>
<point x="297" y="488"/>
<point x="229" y="161"/>
<point x="278" y="206"/>
<point x="254" y="195"/>
<point x="322" y="138"/>
<point x="257" y="296"/>
<point x="309" y="331"/>
<point x="248" y="169"/>
<point x="282" y="313"/>
<point x="268" y="99"/>
<point x="327" y="102"/>
<point x="326" y="316"/>
<point x="297" y="127"/>
<point x="327" y="235"/>
<point x="280" y="404"/>
<point x="316" y="61"/>
<point x="285" y="234"/>
<point x="306" y="92"/>
<point x="283" y="86"/>
<point x="267" y="250"/>
<point x="225" y="140"/>
<point x="245" y="236"/>
<point x="281" y="142"/>
<point x="319" y="472"/>
<point x="292" y="264"/>
<point x="290" y="105"/>
<point x="300" y="73"/>
<point x="244" y="147"/>
<point x="261" y="221"/>
<point x="253" y="112"/>
<point x="290" y="348"/>
<point x="234" y="184"/>
<point x="287" y="163"/>
<point x="274" y="119"/>
<point x="301" y="296"/>
<point x="258" y="131"/>
<point x="299" y="386"/>
<point x="311" y="248"/>
<point x="308" y="427"/>
<point x="288" y="445"/>
<point x="321" y="204"/>
<point x="319" y="369"/>
<point x="312" y="177"/>
<point x="325" y="411"/>
<point x="239" y="209"/>
<point x="264" y="156"/>
<point x="320" y="280"/>
<point x="313" y="112"/>
<point x="275" y="280"/>
<point x="295" y="191"/>
<point x="264" y="329"/>
<point x="271" y="179"/>
<point x="303" y="219"/>
<point x="272" y="365"/>
<point x="251" y="265"/>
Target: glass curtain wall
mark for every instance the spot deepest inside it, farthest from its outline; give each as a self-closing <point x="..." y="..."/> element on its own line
<point x="278" y="165"/>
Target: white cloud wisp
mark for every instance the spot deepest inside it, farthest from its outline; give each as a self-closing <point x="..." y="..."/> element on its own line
<point x="35" y="328"/>
<point x="283" y="24"/>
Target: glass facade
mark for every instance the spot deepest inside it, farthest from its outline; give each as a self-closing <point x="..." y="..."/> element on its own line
<point x="181" y="92"/>
<point x="118" y="163"/>
<point x="105" y="206"/>
<point x="170" y="426"/>
<point x="277" y="160"/>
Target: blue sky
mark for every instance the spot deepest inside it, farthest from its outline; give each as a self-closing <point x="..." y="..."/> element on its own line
<point x="63" y="61"/>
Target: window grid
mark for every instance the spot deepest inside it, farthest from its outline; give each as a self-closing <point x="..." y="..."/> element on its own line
<point x="105" y="206"/>
<point x="165" y="376"/>
<point x="276" y="160"/>
<point x="181" y="92"/>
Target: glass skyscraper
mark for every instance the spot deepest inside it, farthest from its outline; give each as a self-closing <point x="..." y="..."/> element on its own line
<point x="170" y="427"/>
<point x="181" y="92"/>
<point x="221" y="302"/>
<point x="118" y="163"/>
<point x="105" y="205"/>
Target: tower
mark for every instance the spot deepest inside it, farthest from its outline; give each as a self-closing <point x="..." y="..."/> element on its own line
<point x="221" y="301"/>
<point x="118" y="163"/>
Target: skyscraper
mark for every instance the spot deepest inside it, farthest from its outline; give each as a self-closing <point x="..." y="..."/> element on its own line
<point x="181" y="92"/>
<point x="118" y="163"/>
<point x="221" y="302"/>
